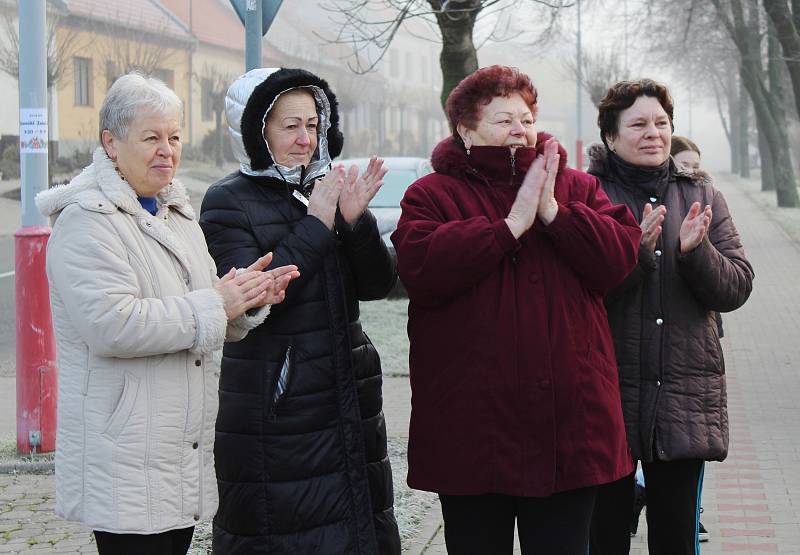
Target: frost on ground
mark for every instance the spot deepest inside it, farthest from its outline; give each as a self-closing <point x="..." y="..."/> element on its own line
<point x="410" y="506"/>
<point x="385" y="324"/>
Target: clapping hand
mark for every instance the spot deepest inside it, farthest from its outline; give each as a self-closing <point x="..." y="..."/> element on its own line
<point x="360" y="190"/>
<point x="651" y="225"/>
<point x="325" y="196"/>
<point x="536" y="195"/>
<point x="253" y="287"/>
<point x="694" y="227"/>
<point x="548" y="207"/>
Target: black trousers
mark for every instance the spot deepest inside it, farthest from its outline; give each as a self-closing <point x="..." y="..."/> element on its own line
<point x="673" y="510"/>
<point x="484" y="524"/>
<point x="173" y="542"/>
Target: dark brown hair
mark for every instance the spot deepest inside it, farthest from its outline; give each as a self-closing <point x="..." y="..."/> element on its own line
<point x="679" y="144"/>
<point x="479" y="88"/>
<point x="621" y="96"/>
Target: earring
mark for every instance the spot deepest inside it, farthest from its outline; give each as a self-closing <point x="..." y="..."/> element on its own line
<point x="467" y="151"/>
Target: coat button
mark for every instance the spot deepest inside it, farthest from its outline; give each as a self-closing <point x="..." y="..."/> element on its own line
<point x="196" y="517"/>
<point x="659" y="321"/>
<point x="197" y="362"/>
<point x="658" y="253"/>
<point x="195" y="445"/>
<point x="653" y="199"/>
<point x="658" y="384"/>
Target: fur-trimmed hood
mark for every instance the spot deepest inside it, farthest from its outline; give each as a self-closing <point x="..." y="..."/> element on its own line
<point x="247" y="103"/>
<point x="599" y="166"/>
<point x="100" y="188"/>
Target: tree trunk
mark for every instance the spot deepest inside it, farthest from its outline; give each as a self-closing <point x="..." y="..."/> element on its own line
<point x="744" y="130"/>
<point x="459" y="57"/>
<point x="775" y="134"/>
<point x="767" y="175"/>
<point x="784" y="24"/>
<point x="735" y="117"/>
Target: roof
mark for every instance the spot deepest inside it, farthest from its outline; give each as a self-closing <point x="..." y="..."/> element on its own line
<point x="211" y="21"/>
<point x="146" y="15"/>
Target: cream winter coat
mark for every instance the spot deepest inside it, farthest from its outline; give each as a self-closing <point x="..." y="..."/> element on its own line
<point x="136" y="321"/>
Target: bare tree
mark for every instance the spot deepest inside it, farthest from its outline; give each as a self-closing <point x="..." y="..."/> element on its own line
<point x="214" y="85"/>
<point x="598" y="72"/>
<point x="741" y="20"/>
<point x="369" y="27"/>
<point x="786" y="20"/>
<point x="60" y="47"/>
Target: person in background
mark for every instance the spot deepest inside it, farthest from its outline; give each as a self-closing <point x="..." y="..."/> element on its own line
<point x="506" y="254"/>
<point x="138" y="311"/>
<point x="301" y="452"/>
<point x="685" y="154"/>
<point x="671" y="368"/>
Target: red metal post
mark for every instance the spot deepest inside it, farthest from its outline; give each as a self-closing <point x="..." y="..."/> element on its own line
<point x="579" y="154"/>
<point x="37" y="374"/>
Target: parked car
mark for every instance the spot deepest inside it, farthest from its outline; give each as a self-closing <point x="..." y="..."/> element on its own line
<point x="403" y="171"/>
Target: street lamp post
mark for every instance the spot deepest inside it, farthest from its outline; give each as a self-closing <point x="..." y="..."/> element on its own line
<point x="36" y="352"/>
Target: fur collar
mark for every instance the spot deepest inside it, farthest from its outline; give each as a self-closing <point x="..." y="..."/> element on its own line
<point x="99" y="186"/>
<point x="600" y="167"/>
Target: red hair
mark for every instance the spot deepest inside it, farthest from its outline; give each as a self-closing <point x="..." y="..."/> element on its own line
<point x="479" y="88"/>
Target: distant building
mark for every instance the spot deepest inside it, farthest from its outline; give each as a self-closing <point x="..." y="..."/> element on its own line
<point x="197" y="48"/>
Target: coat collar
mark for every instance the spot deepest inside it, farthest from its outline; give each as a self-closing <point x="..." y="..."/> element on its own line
<point x="495" y="163"/>
<point x="600" y="165"/>
<point x="100" y="180"/>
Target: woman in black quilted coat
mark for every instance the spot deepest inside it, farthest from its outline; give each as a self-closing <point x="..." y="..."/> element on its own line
<point x="301" y="454"/>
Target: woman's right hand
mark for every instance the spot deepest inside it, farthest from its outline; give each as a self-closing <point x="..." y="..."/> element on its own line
<point x="651" y="225"/>
<point x="540" y="178"/>
<point x="325" y="196"/>
<point x="254" y="287"/>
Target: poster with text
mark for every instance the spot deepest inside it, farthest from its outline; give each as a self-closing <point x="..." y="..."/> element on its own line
<point x="33" y="130"/>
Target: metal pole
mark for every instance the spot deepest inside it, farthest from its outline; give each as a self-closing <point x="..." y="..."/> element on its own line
<point x="578" y="87"/>
<point x="253" y="34"/>
<point x="36" y="353"/>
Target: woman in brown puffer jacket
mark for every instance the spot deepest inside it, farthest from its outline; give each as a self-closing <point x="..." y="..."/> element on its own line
<point x="671" y="369"/>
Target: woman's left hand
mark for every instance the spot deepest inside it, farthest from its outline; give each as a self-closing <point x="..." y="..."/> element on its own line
<point x="360" y="190"/>
<point x="548" y="206"/>
<point x="694" y="227"/>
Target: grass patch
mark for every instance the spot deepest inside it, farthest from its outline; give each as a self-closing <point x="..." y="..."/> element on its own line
<point x="787" y="219"/>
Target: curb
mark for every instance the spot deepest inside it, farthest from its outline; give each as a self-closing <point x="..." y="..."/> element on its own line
<point x="423" y="540"/>
<point x="33" y="467"/>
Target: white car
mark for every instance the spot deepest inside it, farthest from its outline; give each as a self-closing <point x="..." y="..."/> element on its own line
<point x="403" y="171"/>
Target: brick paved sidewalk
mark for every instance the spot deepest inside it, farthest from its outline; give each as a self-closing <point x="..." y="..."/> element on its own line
<point x="752" y="500"/>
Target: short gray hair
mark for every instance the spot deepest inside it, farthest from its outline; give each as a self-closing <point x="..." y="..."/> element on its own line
<point x="130" y="93"/>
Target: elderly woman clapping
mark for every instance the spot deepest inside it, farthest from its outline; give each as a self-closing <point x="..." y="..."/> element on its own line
<point x="506" y="254"/>
<point x="138" y="311"/>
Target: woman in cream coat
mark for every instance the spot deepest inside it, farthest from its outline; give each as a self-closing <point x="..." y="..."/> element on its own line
<point x="138" y="311"/>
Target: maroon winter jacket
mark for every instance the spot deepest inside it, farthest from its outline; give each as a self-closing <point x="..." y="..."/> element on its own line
<point x="513" y="378"/>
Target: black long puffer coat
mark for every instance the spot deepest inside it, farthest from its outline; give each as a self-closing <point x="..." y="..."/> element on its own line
<point x="302" y="468"/>
<point x="666" y="339"/>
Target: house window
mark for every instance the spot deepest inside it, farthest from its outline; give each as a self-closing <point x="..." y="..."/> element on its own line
<point x="423" y="69"/>
<point x="165" y="75"/>
<point x="394" y="64"/>
<point x="206" y="104"/>
<point x="409" y="66"/>
<point x="82" y="70"/>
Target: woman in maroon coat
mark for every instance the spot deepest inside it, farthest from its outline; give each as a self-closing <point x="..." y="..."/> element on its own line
<point x="506" y="254"/>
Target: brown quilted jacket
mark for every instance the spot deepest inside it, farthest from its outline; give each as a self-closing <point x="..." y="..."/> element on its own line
<point x="671" y="368"/>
